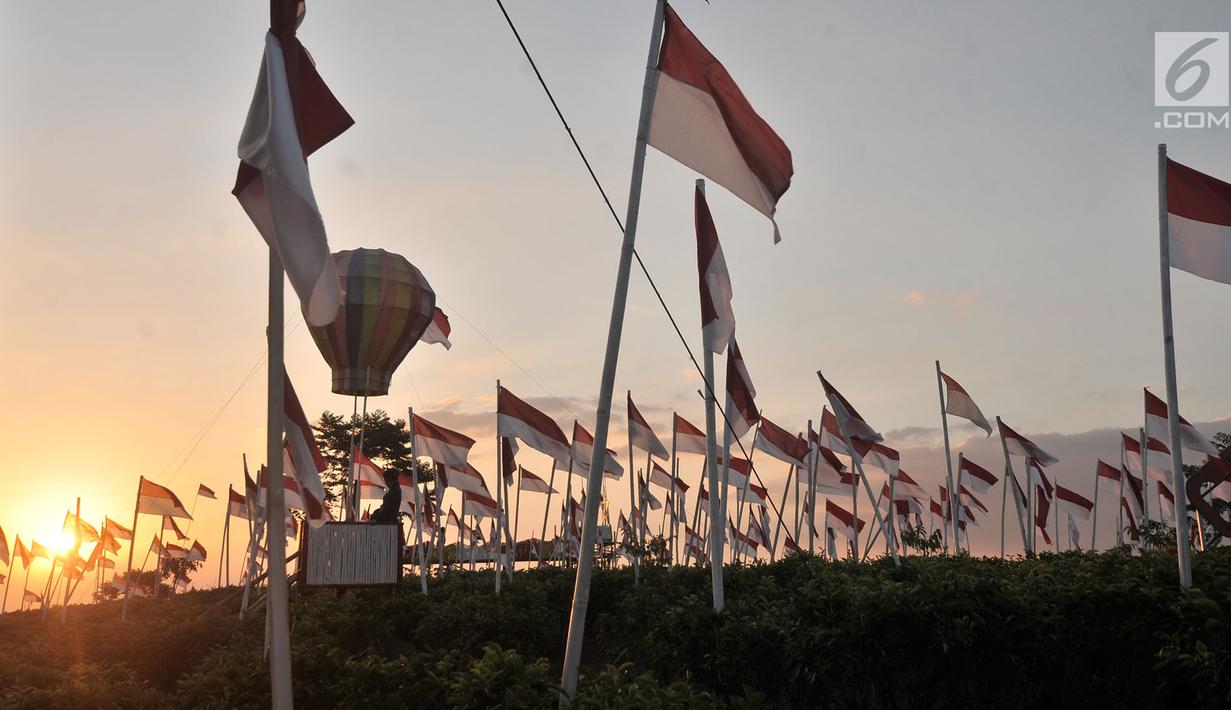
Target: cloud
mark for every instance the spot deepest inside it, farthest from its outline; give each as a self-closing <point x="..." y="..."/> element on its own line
<point x="941" y="296"/>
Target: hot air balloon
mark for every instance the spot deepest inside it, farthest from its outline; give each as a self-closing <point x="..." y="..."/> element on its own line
<point x="386" y="306"/>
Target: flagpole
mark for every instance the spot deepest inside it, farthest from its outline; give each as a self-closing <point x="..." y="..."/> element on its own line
<point x="1145" y="476"/>
<point x="1009" y="478"/>
<point x="675" y="466"/>
<point x="1173" y="395"/>
<point x="811" y="495"/>
<point x="944" y="425"/>
<point x="128" y="581"/>
<point x="420" y="513"/>
<point x="499" y="495"/>
<point x="785" y="489"/>
<point x="714" y="540"/>
<point x="743" y="493"/>
<point x="438" y="470"/>
<point x="551" y="486"/>
<point x="275" y="514"/>
<point x="581" y="590"/>
<point x="517" y="517"/>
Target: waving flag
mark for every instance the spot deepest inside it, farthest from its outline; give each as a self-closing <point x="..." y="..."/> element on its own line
<point x="741" y="544"/>
<point x="1020" y="445"/>
<point x="660" y="477"/>
<point x="701" y="118"/>
<point x="1199" y="223"/>
<point x="839" y="487"/>
<point x="717" y="317"/>
<point x="970" y="497"/>
<point x="444" y="446"/>
<point x="756" y="495"/>
<point x="831" y="430"/>
<point x="1073" y="503"/>
<point x="1158" y="457"/>
<point x="205" y="491"/>
<point x="115" y="530"/>
<point x="305" y="456"/>
<point x="849" y="419"/>
<point x="688" y="438"/>
<point x="742" y="413"/>
<point x="466" y="479"/>
<point x="292" y="114"/>
<point x="83" y="530"/>
<point x="478" y="505"/>
<point x="31" y="597"/>
<point x="978" y="478"/>
<point x="153" y="499"/>
<point x="781" y="444"/>
<point x="534" y="484"/>
<point x="438" y="330"/>
<point x="1157" y="427"/>
<point x="738" y="471"/>
<point x="827" y="465"/>
<point x="1134" y="494"/>
<point x="515" y="418"/>
<point x="877" y="454"/>
<point x="583" y="451"/>
<point x="169" y="526"/>
<point x="306" y="499"/>
<point x="237" y="505"/>
<point x="840" y="520"/>
<point x="368" y="474"/>
<point x="906" y="487"/>
<point x="641" y="435"/>
<point x="959" y="404"/>
<point x="1106" y="470"/>
<point x="196" y="553"/>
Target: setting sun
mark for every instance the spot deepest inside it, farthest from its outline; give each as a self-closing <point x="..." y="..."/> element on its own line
<point x="63" y="542"/>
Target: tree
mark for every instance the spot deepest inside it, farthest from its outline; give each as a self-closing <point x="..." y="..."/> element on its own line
<point x="386" y="441"/>
<point x="171" y="569"/>
<point x="917" y="538"/>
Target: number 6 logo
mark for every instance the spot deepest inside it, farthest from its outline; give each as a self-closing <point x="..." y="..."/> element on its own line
<point x="1191" y="69"/>
<point x="1183" y="64"/>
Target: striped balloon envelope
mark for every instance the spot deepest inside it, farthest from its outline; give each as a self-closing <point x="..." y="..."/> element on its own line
<point x="386" y="306"/>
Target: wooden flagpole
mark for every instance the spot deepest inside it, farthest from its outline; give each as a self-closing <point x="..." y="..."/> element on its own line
<point x="1173" y="394"/>
<point x="581" y="589"/>
<point x="128" y="580"/>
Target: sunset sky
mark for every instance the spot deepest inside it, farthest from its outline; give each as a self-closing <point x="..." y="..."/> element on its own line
<point x="974" y="183"/>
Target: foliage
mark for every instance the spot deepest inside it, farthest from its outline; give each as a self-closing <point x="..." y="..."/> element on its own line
<point x="1097" y="629"/>
<point x="917" y="538"/>
<point x="386" y="441"/>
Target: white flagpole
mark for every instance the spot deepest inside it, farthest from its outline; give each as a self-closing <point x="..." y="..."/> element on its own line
<point x="497" y="538"/>
<point x="517" y="518"/>
<point x="1009" y="478"/>
<point x="715" y="539"/>
<point x="1094" y="522"/>
<point x="581" y="589"/>
<point x="1173" y="395"/>
<point x="811" y="495"/>
<point x="128" y="576"/>
<point x="782" y="523"/>
<point x="1120" y="502"/>
<point x="275" y="523"/>
<point x="674" y="501"/>
<point x="551" y="485"/>
<point x="743" y="493"/>
<point x="1145" y="476"/>
<point x="226" y="526"/>
<point x="420" y="513"/>
<point x="944" y="425"/>
<point x="633" y="503"/>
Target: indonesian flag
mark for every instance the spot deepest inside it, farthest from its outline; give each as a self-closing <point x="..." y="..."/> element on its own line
<point x="444" y="446"/>
<point x="175" y="552"/>
<point x="878" y="455"/>
<point x="534" y="484"/>
<point x="154" y="499"/>
<point x="196" y="553"/>
<point x="478" y="505"/>
<point x="1020" y="445"/>
<point x="1158" y="457"/>
<point x="717" y="318"/>
<point x="369" y="475"/>
<point x="936" y="509"/>
<point x="970" y="497"/>
<point x="115" y="530"/>
<point x="1042" y="508"/>
<point x="1073" y="503"/>
<point x="906" y="487"/>
<point x="1106" y="470"/>
<point x="781" y="444"/>
<point x="205" y="491"/>
<point x="83" y="530"/>
<point x="847" y="417"/>
<point x="1130" y="519"/>
<point x="756" y="531"/>
<point x="305" y="456"/>
<point x="20" y="550"/>
<point x="646" y="496"/>
<point x="738" y="472"/>
<point x="1168" y="510"/>
<point x="106" y="563"/>
<point x="515" y="418"/>
<point x="660" y="477"/>
<point x="1074" y="534"/>
<point x="1199" y="223"/>
<point x="741" y="410"/>
<point x="4" y="550"/>
<point x="157" y="548"/>
<point x="508" y="464"/>
<point x="959" y="404"/>
<point x="691" y="537"/>
<point x="688" y="438"/>
<point x="826" y="462"/>
<point x="641" y="435"/>
<point x="466" y="479"/>
<point x="1157" y="427"/>
<point x="583" y="451"/>
<point x="832" y="433"/>
<point x="253" y="493"/>
<point x="237" y="505"/>
<point x="840" y="520"/>
<point x="978" y="478"/>
<point x="705" y="495"/>
<point x="169" y="526"/>
<point x="756" y="495"/>
<point x="701" y="118"/>
<point x="741" y="544"/>
<point x="306" y="499"/>
<point x="831" y="541"/>
<point x="789" y="545"/>
<point x="31" y="597"/>
<point x="839" y="487"/>
<point x="1134" y="494"/>
<point x="1019" y="498"/>
<point x="292" y="114"/>
<point x="438" y="330"/>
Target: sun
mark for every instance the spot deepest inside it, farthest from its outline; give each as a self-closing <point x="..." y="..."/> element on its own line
<point x="64" y="542"/>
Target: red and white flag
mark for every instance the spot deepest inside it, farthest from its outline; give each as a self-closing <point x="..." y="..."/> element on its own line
<point x="646" y="496"/>
<point x="837" y="487"/>
<point x="371" y="477"/>
<point x="237" y="505"/>
<point x="583" y="451"/>
<point x="1158" y="457"/>
<point x="827" y="465"/>
<point x="1134" y="494"/>
<point x="737" y="472"/>
<point x="1106" y="470"/>
<point x="83" y="530"/>
<point x="641" y="435"/>
<point x="660" y="477"/>
<point x="1042" y="512"/>
<point x="756" y="495"/>
<point x="153" y="499"/>
<point x="438" y="330"/>
<point x="831" y="432"/>
<point x="1157" y="427"/>
<point x="292" y="114"/>
<point x="717" y="317"/>
<point x="847" y="418"/>
<point x="701" y="118"/>
<point x="115" y="530"/>
<point x="444" y="446"/>
<point x="175" y="552"/>
<point x="781" y="444"/>
<point x="741" y="409"/>
<point x="959" y="404"/>
<point x="312" y="504"/>
<point x="978" y="478"/>
<point x="1020" y="445"/>
<point x="515" y="418"/>
<point x="741" y="544"/>
<point x="478" y="505"/>
<point x="1073" y="503"/>
<point x="169" y="526"/>
<point x="1199" y="223"/>
<point x="466" y="479"/>
<point x="305" y="456"/>
<point x="205" y="491"/>
<point x="196" y="553"/>
<point x="688" y="438"/>
<point x="969" y="497"/>
<point x="877" y="454"/>
<point x="906" y="487"/>
<point x="840" y="520"/>
<point x="534" y="484"/>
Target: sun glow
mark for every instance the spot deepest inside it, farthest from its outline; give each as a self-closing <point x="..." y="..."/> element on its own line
<point x="64" y="542"/>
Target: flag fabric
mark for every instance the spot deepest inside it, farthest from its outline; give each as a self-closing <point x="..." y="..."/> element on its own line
<point x="1167" y="506"/>
<point x="1199" y="223"/>
<point x="959" y="404"/>
<point x="20" y="550"/>
<point x="444" y="446"/>
<point x="1134" y="494"/>
<point x="781" y="444"/>
<point x="1130" y="519"/>
<point x="877" y="454"/>
<point x="368" y="474"/>
<point x="1073" y="503"/>
<point x="292" y="114"/>
<point x="168" y="525"/>
<point x="1157" y="427"/>
<point x="196" y="553"/>
<point x="1074" y="534"/>
<point x="936" y="509"/>
<point x="702" y="119"/>
<point x="466" y="479"/>
<point x="831" y="432"/>
<point x="660" y="477"/>
<point x="478" y="505"/>
<point x="1019" y="498"/>
<point x="205" y="491"/>
<point x="252" y="493"/>
<point x="1106" y="470"/>
<point x="827" y="464"/>
<point x="641" y="435"/>
<point x="83" y="530"/>
<point x="840" y="520"/>
<point x="4" y="550"/>
<point x="839" y="487"/>
<point x="237" y="505"/>
<point x="583" y="451"/>
<point x="1158" y="457"/>
<point x="967" y="496"/>
<point x="831" y="542"/>
<point x="717" y="317"/>
<point x="906" y="487"/>
<point x="153" y="499"/>
<point x="756" y="495"/>
<point x="175" y="552"/>
<point x="312" y="504"/>
<point x="1042" y="510"/>
<point x="741" y="544"/>
<point x="688" y="438"/>
<point x="741" y="409"/>
<point x="534" y="484"/>
<point x="31" y="597"/>
<point x="738" y="471"/>
<point x="515" y="418"/>
<point x="438" y="330"/>
<point x="646" y="496"/>
<point x="978" y="478"/>
<point x="847" y="417"/>
<point x="1020" y="445"/>
<point x="305" y="456"/>
<point x="115" y="530"/>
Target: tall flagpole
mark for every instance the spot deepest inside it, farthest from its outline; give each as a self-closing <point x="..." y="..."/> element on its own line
<point x="1173" y="396"/>
<point x="420" y="513"/>
<point x="1120" y="502"/>
<point x="498" y="539"/>
<point x="1094" y="523"/>
<point x="714" y="540"/>
<point x="1009" y="478"/>
<point x="944" y="425"/>
<point x="551" y="486"/>
<point x="585" y="563"/>
<point x="633" y="503"/>
<point x="128" y="576"/>
<point x="275" y="511"/>
<point x="1145" y="475"/>
<point x="226" y="524"/>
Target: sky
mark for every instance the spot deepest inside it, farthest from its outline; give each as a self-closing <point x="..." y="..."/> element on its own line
<point x="974" y="183"/>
